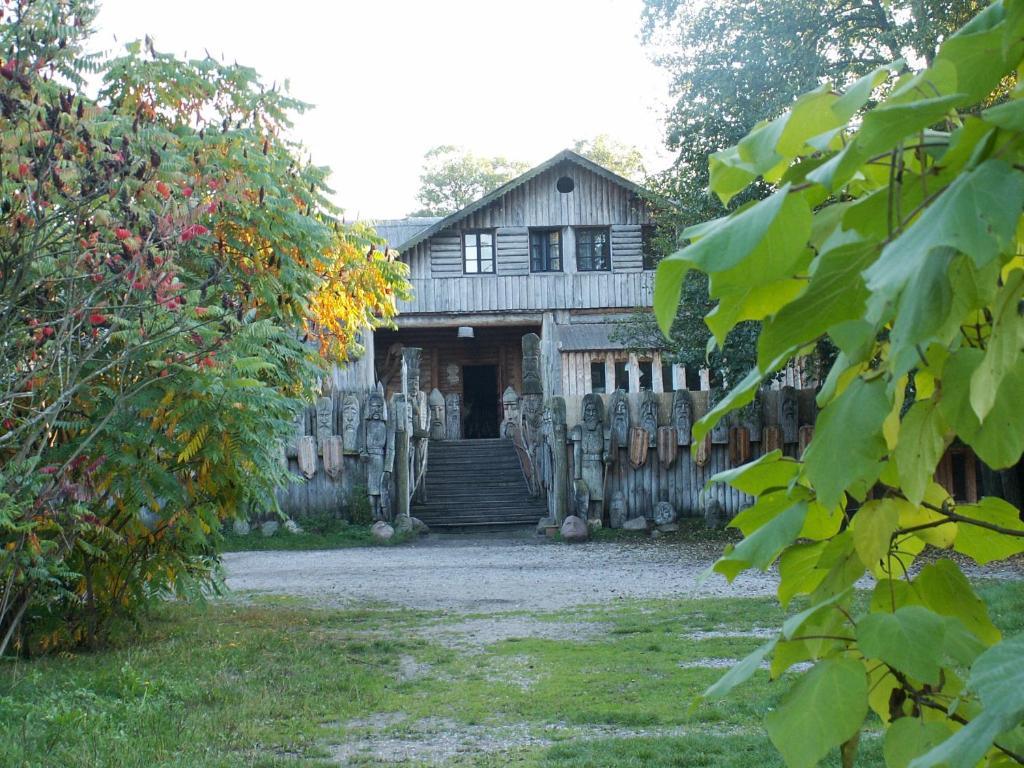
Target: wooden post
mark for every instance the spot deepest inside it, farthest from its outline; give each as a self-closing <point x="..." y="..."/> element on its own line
<point x="634" y="373"/>
<point x="560" y="478"/>
<point x="402" y="433"/>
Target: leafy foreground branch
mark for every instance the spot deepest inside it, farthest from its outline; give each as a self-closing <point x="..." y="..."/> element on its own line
<point x="166" y="253"/>
<point x="894" y="233"/>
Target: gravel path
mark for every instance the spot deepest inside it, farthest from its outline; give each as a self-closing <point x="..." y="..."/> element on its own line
<point x="487" y="573"/>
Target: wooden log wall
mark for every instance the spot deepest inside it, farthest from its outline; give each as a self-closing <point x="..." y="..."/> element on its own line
<point x="322" y="495"/>
<point x="530" y="292"/>
<point x="682" y="484"/>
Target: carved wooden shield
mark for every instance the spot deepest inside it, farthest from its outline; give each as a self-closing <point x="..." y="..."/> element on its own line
<point x="334" y="457"/>
<point x="703" y="451"/>
<point x="638" y="445"/>
<point x="771" y="438"/>
<point x="668" y="447"/>
<point x="804" y="437"/>
<point x="307" y="455"/>
<point x="739" y="446"/>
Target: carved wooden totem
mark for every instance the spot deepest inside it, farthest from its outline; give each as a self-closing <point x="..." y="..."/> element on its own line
<point x="324" y="421"/>
<point x="532" y="381"/>
<point x="453" y="416"/>
<point x="649" y="416"/>
<point x="682" y="416"/>
<point x="589" y="447"/>
<point x="789" y="415"/>
<point x="618" y="416"/>
<point x="437" y="425"/>
<point x="350" y="423"/>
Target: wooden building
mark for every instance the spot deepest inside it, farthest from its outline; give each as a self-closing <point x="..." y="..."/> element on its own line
<point x="560" y="251"/>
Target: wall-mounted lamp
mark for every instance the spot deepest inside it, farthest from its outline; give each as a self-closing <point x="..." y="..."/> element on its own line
<point x="465" y="332"/>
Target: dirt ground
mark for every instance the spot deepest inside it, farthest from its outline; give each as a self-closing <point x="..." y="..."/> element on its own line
<point x="497" y="572"/>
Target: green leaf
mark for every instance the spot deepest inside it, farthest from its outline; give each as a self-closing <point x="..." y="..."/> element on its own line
<point x="795" y="622"/>
<point x="997" y="677"/>
<point x="848" y="444"/>
<point x="835" y="293"/>
<point x="825" y="708"/>
<point x="923" y="438"/>
<point x="769" y="472"/>
<point x="923" y="309"/>
<point x="942" y="587"/>
<point x="1009" y="116"/>
<point x="909" y="640"/>
<point x="798" y="572"/>
<point x="999" y="441"/>
<point x="977" y="214"/>
<point x="883" y="128"/>
<point x="909" y="737"/>
<point x="983" y="545"/>
<point x="1003" y="348"/>
<point x="873" y="527"/>
<point x="740" y="673"/>
<point x="760" y="549"/>
<point x="723" y="246"/>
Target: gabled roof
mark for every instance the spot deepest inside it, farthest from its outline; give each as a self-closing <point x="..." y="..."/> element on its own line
<point x="566" y="155"/>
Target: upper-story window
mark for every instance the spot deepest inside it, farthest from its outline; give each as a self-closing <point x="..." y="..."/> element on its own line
<point x="593" y="249"/>
<point x="478" y="251"/>
<point x="545" y="250"/>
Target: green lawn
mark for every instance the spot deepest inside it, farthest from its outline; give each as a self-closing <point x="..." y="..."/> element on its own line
<point x="277" y="683"/>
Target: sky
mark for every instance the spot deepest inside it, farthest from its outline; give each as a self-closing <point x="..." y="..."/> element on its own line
<point x="392" y="78"/>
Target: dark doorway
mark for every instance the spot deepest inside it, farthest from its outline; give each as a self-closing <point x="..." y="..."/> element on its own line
<point x="480" y="401"/>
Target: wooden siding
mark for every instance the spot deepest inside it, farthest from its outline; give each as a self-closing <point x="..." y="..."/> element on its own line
<point x="513" y="254"/>
<point x="446" y="255"/>
<point x="530" y="292"/>
<point x="627" y="248"/>
<point x="594" y="201"/>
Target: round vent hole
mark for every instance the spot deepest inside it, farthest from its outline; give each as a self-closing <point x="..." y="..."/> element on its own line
<point x="565" y="185"/>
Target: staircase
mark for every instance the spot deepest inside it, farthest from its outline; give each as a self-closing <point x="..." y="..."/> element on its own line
<point x="475" y="485"/>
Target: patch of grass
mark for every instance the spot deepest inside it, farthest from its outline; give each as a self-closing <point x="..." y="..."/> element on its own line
<point x="721" y="750"/>
<point x="273" y="683"/>
<point x="338" y="536"/>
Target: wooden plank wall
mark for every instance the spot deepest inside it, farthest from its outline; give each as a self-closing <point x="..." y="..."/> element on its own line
<point x="531" y="292"/>
<point x="513" y="251"/>
<point x="683" y="483"/>
<point x="627" y="248"/>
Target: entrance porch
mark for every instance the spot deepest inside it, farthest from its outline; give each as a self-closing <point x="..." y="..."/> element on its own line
<point x="477" y="369"/>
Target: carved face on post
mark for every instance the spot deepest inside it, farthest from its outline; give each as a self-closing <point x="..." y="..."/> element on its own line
<point x="619" y="407"/>
<point x="592" y="412"/>
<point x="453" y="416"/>
<point x="682" y="416"/>
<point x="350" y="422"/>
<point x="788" y="414"/>
<point x="531" y="365"/>
<point x="531" y="407"/>
<point x="510" y="406"/>
<point x="436" y="403"/>
<point x="375" y="407"/>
